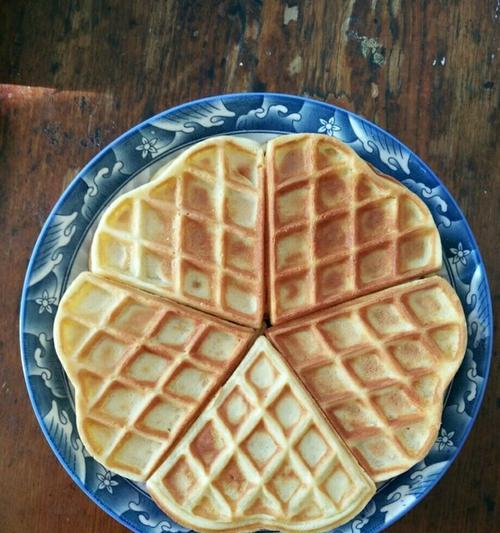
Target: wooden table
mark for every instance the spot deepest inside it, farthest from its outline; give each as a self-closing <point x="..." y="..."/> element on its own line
<point x="75" y="75"/>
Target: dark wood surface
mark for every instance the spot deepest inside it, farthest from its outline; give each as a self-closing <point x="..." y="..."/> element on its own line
<point x="74" y="75"/>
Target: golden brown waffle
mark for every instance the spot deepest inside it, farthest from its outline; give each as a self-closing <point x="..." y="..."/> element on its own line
<point x="379" y="366"/>
<point x="261" y="455"/>
<point x="338" y="230"/>
<point x="194" y="233"/>
<point x="142" y="368"/>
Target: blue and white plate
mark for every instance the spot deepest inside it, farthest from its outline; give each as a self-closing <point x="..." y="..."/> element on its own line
<point x="61" y="252"/>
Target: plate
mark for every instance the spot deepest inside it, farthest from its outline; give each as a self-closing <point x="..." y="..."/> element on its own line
<point x="61" y="252"/>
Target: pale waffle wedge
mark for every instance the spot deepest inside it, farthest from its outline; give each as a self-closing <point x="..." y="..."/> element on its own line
<point x="142" y="368"/>
<point x="261" y="455"/>
<point x="379" y="367"/>
<point x="337" y="229"/>
<point x="194" y="233"/>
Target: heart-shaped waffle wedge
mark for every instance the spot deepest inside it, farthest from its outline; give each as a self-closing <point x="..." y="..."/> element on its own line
<point x="142" y="368"/>
<point x="337" y="229"/>
<point x="194" y="233"/>
<point x="261" y="455"/>
<point x="379" y="367"/>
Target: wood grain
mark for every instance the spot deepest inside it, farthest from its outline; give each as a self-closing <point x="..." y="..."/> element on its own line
<point x="74" y="75"/>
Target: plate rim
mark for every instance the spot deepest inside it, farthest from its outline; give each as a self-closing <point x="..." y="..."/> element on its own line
<point x="235" y="96"/>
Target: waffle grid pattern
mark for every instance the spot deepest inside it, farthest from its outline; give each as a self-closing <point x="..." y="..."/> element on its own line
<point x="262" y="449"/>
<point x="193" y="233"/>
<point x="142" y="368"/>
<point x="338" y="229"/>
<point x="379" y="367"/>
<point x="257" y="452"/>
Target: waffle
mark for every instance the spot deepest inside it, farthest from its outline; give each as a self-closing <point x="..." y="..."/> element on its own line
<point x="142" y="368"/>
<point x="194" y="233"/>
<point x="261" y="455"/>
<point x="379" y="367"/>
<point x="338" y="230"/>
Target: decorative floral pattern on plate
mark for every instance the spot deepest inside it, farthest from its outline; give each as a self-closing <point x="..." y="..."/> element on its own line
<point x="106" y="481"/>
<point x="147" y="147"/>
<point x="459" y="254"/>
<point x="45" y="302"/>
<point x="444" y="439"/>
<point x="62" y="251"/>
<point x="328" y="126"/>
